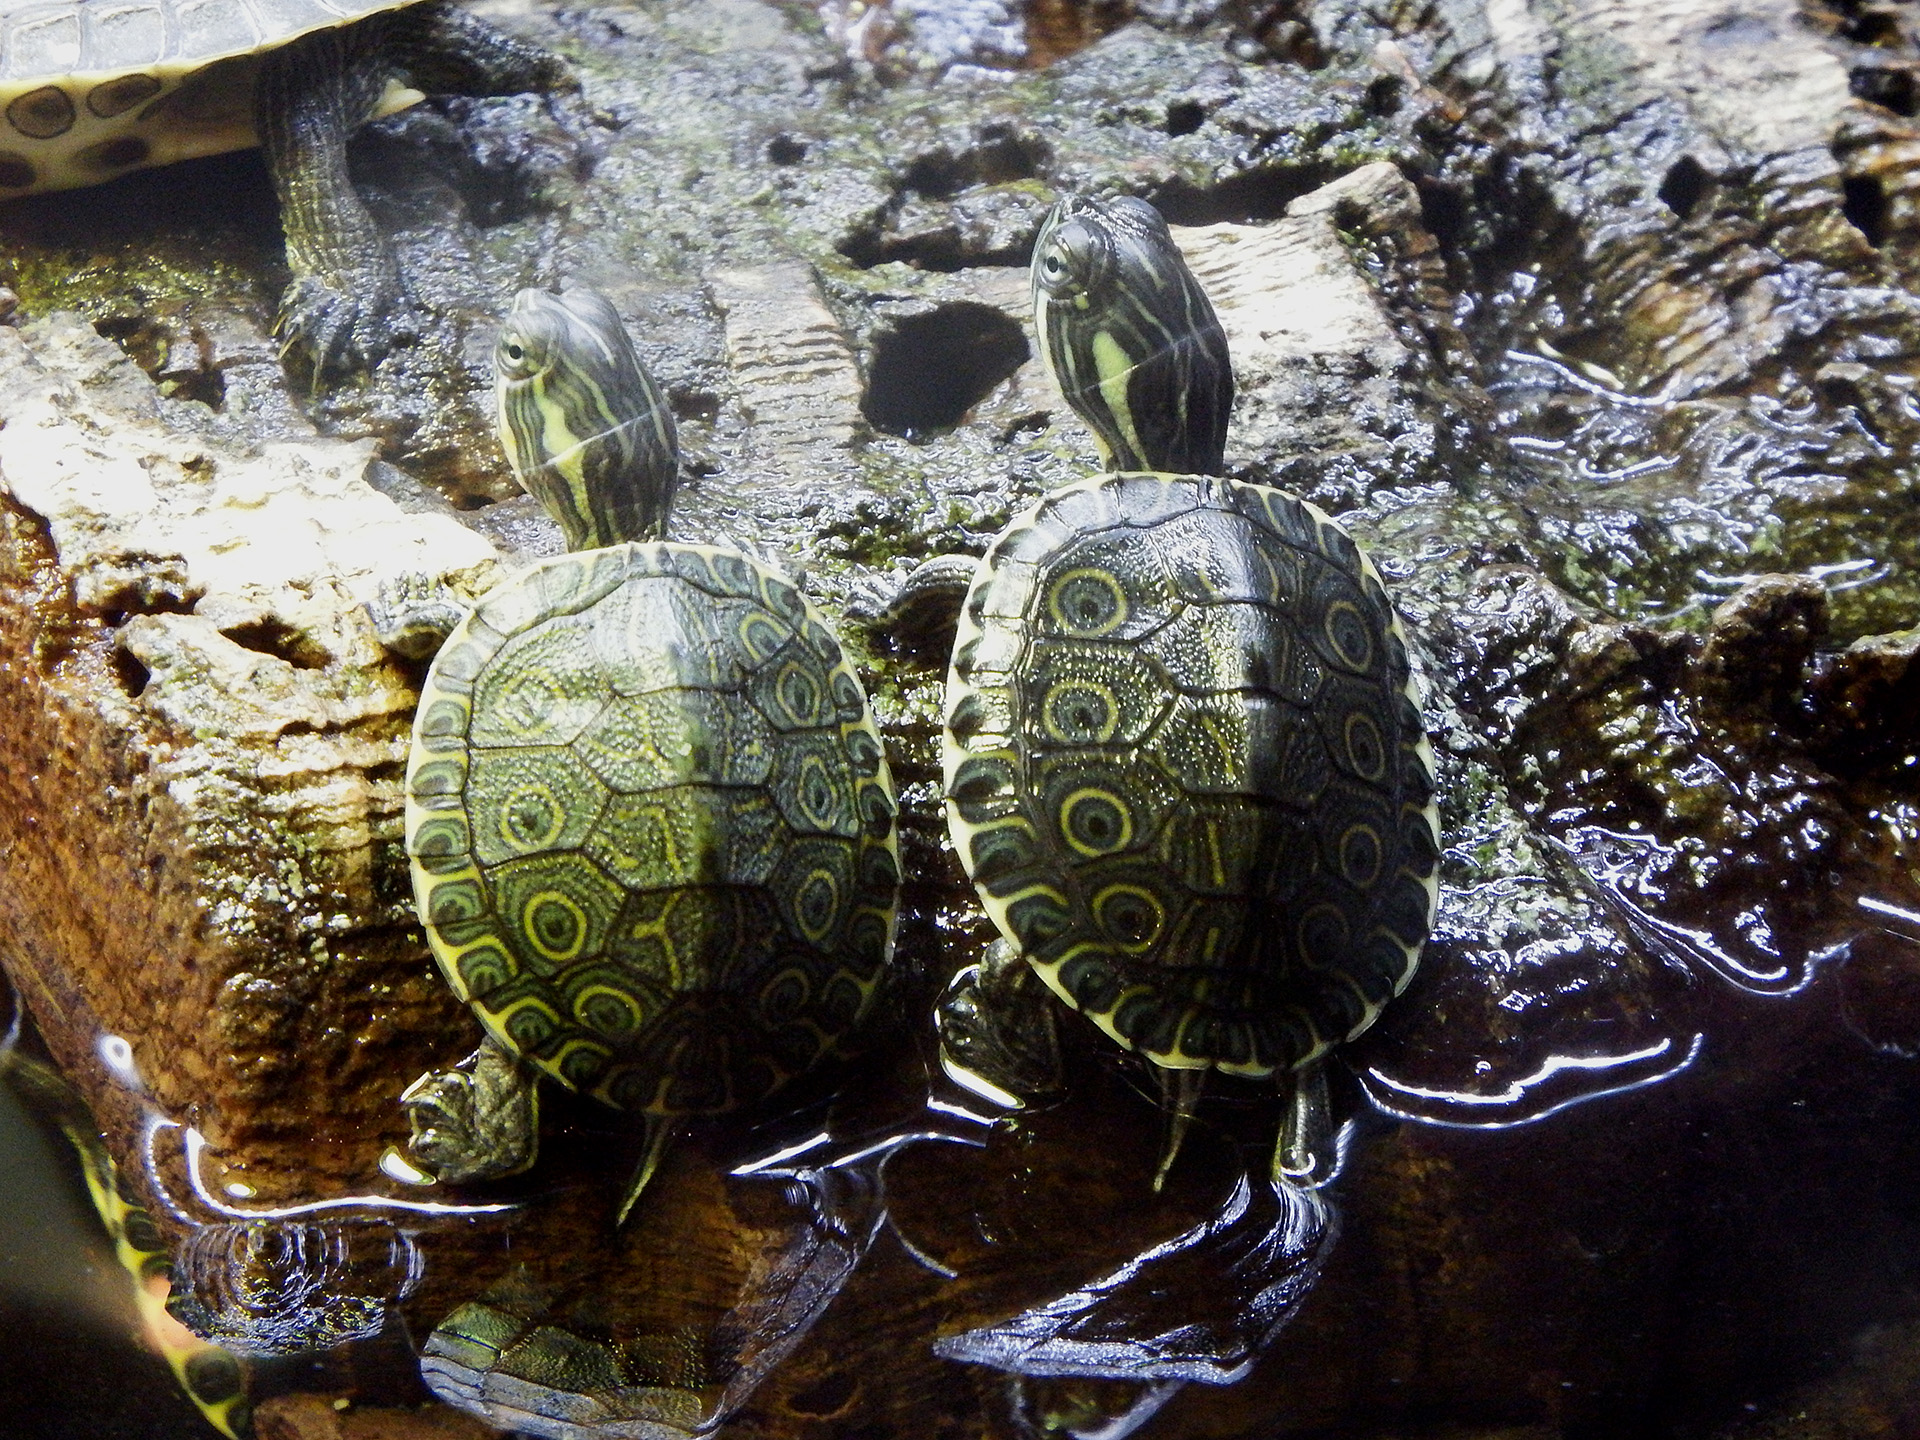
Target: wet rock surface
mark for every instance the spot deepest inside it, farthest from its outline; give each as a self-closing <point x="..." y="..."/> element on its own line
<point x="1595" y="320"/>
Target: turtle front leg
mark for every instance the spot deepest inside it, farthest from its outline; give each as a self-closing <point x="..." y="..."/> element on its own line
<point x="346" y="306"/>
<point x="477" y="1121"/>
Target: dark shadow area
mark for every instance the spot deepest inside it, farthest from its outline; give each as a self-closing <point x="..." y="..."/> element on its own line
<point x="929" y="370"/>
<point x="273" y="636"/>
<point x="1685" y="186"/>
<point x="1866" y="206"/>
<point x="984" y="226"/>
<point x="130" y="672"/>
<point x="1185" y="116"/>
<point x="181" y="377"/>
<point x="786" y="149"/>
<point x="1000" y="153"/>
<point x="221" y="193"/>
<point x="1251" y="196"/>
<point x="1894" y="88"/>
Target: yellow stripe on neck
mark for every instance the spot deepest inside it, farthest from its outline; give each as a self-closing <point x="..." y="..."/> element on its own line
<point x="1113" y="365"/>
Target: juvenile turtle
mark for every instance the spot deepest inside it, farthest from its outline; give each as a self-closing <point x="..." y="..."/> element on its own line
<point x="585" y="428"/>
<point x="91" y="89"/>
<point x="650" y="821"/>
<point x="1184" y="760"/>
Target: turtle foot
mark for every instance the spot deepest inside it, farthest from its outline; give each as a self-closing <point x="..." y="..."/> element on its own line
<point x="1306" y="1153"/>
<point x="342" y="331"/>
<point x="997" y="1036"/>
<point x="476" y="1121"/>
<point x="413" y="613"/>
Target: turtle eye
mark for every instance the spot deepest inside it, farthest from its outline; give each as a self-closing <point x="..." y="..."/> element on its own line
<point x="514" y="352"/>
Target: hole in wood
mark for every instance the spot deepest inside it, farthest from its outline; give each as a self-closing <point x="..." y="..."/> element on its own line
<point x="273" y="636"/>
<point x="929" y="370"/>
<point x="1685" y="186"/>
<point x="1866" y="206"/>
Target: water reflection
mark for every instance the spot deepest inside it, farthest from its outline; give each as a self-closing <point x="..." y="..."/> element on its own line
<point x="210" y="1377"/>
<point x="563" y="1362"/>
<point x="1559" y="1082"/>
<point x="1609" y="864"/>
<point x="1901" y="921"/>
<point x="1079" y="1303"/>
<point x="1197" y="1307"/>
<point x="277" y="1288"/>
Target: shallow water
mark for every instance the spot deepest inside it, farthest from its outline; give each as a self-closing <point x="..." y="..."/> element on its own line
<point x="1696" y="1237"/>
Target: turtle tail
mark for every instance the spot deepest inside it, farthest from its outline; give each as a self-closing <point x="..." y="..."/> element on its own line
<point x="1180" y="1093"/>
<point x="661" y="1130"/>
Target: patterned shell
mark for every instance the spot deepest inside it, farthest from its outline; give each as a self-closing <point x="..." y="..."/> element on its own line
<point x="90" y="89"/>
<point x="1185" y="768"/>
<point x="652" y="828"/>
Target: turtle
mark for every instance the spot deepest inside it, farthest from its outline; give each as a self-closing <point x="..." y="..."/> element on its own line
<point x="586" y="432"/>
<point x="1183" y="754"/>
<point x="649" y="818"/>
<point x="92" y="89"/>
<point x="212" y="1378"/>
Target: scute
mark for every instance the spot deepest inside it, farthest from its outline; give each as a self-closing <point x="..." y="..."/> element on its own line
<point x="1186" y="772"/>
<point x="643" y="886"/>
<point x="538" y="799"/>
<point x="539" y="688"/>
<point x="98" y="38"/>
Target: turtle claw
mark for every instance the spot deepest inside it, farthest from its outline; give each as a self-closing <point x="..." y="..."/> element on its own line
<point x="342" y="332"/>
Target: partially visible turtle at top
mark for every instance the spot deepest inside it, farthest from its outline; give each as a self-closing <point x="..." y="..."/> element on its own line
<point x="90" y="89"/>
<point x="1184" y="760"/>
<point x="649" y="817"/>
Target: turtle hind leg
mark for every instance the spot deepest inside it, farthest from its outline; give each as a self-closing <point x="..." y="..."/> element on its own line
<point x="1303" y="1153"/>
<point x="345" y="307"/>
<point x="918" y="616"/>
<point x="997" y="1036"/>
<point x="1180" y="1092"/>
<point x="477" y="1121"/>
<point x="446" y="50"/>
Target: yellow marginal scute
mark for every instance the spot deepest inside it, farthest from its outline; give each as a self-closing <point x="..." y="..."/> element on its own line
<point x="556" y="1064"/>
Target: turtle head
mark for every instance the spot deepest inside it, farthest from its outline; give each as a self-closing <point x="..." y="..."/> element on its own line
<point x="531" y="338"/>
<point x="585" y="427"/>
<point x="1073" y="260"/>
<point x="1130" y="337"/>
